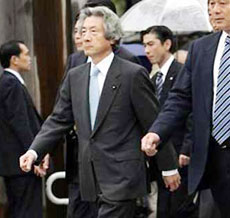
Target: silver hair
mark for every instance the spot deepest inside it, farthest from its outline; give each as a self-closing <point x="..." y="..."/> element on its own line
<point x="112" y="25"/>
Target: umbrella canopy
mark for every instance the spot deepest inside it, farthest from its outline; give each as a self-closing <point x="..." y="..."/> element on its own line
<point x="179" y="15"/>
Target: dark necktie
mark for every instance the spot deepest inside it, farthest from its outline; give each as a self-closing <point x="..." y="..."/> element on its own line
<point x="159" y="83"/>
<point x="94" y="95"/>
<point x="221" y="115"/>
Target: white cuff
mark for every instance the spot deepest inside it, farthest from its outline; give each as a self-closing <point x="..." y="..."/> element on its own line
<point x="34" y="153"/>
<point x="169" y="172"/>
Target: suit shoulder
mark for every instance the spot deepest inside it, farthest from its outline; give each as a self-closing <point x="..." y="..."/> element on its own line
<point x="127" y="55"/>
<point x="177" y="65"/>
<point x="129" y="68"/>
<point x="8" y="80"/>
<point x="205" y="39"/>
<point x="75" y="59"/>
<point x="9" y="83"/>
<point x="129" y="64"/>
<point x="76" y="55"/>
<point x="78" y="69"/>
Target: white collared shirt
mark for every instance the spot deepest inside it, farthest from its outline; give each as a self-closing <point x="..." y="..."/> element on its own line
<point x="89" y="60"/>
<point x="219" y="53"/>
<point x="165" y="68"/>
<point x="103" y="66"/>
<point x="15" y="73"/>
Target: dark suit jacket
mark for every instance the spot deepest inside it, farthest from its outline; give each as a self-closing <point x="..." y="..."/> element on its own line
<point x="166" y="159"/>
<point x="74" y="60"/>
<point x="113" y="147"/>
<point x="19" y="123"/>
<point x="193" y="92"/>
<point x="179" y="138"/>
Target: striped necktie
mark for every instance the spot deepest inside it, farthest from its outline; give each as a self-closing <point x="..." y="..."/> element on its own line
<point x="221" y="115"/>
<point x="94" y="95"/>
<point x="159" y="83"/>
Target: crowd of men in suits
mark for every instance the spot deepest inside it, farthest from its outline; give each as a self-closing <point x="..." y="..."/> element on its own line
<point x="107" y="107"/>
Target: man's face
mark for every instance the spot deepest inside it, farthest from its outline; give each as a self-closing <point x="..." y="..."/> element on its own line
<point x="95" y="44"/>
<point x="220" y="14"/>
<point x="155" y="51"/>
<point x="77" y="37"/>
<point x="23" y="61"/>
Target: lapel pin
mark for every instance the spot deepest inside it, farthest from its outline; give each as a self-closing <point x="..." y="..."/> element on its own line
<point x="114" y="87"/>
<point x="171" y="78"/>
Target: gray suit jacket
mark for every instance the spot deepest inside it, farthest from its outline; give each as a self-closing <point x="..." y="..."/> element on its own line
<point x="111" y="152"/>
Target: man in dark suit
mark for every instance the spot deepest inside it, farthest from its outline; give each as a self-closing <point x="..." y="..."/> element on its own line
<point x="106" y="99"/>
<point x="19" y="123"/>
<point x="159" y="46"/>
<point x="76" y="206"/>
<point x="199" y="89"/>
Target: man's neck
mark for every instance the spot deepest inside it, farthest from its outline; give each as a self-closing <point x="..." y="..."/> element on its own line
<point x="99" y="58"/>
<point x="165" y="59"/>
<point x="15" y="69"/>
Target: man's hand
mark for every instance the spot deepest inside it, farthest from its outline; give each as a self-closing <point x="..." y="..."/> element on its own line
<point x="26" y="161"/>
<point x="149" y="143"/>
<point x="172" y="182"/>
<point x="43" y="166"/>
<point x="183" y="160"/>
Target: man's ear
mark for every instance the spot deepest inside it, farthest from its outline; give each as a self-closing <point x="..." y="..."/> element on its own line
<point x="168" y="44"/>
<point x="13" y="60"/>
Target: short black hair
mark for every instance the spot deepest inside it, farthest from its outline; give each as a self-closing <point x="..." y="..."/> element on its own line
<point x="107" y="3"/>
<point x="9" y="49"/>
<point x="162" y="32"/>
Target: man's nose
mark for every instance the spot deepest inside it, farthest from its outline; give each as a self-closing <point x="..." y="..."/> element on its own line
<point x="146" y="50"/>
<point x="86" y="36"/>
<point x="216" y="8"/>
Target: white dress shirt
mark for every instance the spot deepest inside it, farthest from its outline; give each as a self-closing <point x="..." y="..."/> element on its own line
<point x="103" y="66"/>
<point x="165" y="68"/>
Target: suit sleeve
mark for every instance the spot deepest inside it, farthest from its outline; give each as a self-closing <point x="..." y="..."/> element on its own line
<point x="178" y="104"/>
<point x="146" y="108"/>
<point x="16" y="109"/>
<point x="187" y="144"/>
<point x="57" y="124"/>
<point x="144" y="101"/>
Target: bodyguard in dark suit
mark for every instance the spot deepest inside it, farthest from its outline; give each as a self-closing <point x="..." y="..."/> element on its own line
<point x="159" y="45"/>
<point x="19" y="123"/>
<point x="199" y="88"/>
<point x="103" y="98"/>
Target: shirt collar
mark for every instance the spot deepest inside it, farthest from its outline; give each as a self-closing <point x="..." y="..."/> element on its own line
<point x="15" y="73"/>
<point x="104" y="64"/>
<point x="164" y="69"/>
<point x="89" y="60"/>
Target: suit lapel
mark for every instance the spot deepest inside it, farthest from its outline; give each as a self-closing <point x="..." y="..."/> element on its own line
<point x="110" y="88"/>
<point x="207" y="74"/>
<point x="169" y="77"/>
<point x="83" y="95"/>
<point x="30" y="101"/>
